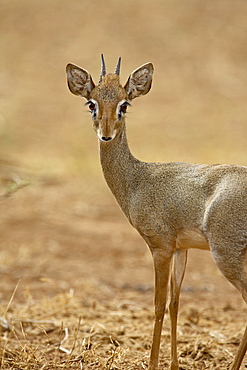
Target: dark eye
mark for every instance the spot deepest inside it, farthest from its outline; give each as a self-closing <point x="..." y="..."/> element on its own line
<point x="123" y="107"/>
<point x="91" y="106"/>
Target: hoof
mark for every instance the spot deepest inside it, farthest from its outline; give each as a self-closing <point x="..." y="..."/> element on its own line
<point x="174" y="366"/>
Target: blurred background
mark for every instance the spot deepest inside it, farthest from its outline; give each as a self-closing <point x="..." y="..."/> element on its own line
<point x="64" y="233"/>
<point x="196" y="111"/>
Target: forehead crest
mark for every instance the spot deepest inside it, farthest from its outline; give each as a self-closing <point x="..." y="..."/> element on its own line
<point x="109" y="89"/>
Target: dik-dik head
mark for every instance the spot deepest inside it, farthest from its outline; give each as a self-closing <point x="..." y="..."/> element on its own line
<point x="108" y="101"/>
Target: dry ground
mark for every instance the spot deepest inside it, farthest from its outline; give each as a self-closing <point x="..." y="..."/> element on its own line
<point x="76" y="287"/>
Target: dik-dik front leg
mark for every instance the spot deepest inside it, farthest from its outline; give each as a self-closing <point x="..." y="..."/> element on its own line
<point x="177" y="275"/>
<point x="162" y="261"/>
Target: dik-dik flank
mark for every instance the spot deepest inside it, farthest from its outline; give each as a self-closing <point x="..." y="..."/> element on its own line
<point x="174" y="206"/>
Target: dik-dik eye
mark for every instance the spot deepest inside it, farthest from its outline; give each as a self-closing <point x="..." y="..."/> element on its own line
<point x="122" y="108"/>
<point x="92" y="105"/>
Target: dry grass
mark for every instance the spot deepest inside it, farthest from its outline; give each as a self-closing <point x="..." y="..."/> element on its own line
<point x="85" y="297"/>
<point x="48" y="334"/>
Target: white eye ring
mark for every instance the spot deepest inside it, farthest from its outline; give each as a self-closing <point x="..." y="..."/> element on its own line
<point x="121" y="108"/>
<point x="93" y="107"/>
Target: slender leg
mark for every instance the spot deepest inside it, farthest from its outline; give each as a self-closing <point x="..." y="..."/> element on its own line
<point x="231" y="261"/>
<point x="240" y="353"/>
<point x="177" y="275"/>
<point x="243" y="344"/>
<point x="162" y="271"/>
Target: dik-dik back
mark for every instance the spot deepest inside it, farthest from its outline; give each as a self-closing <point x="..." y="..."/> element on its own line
<point x="174" y="206"/>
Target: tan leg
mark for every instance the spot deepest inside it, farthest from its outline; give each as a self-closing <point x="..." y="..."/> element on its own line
<point x="232" y="263"/>
<point x="177" y="275"/>
<point x="162" y="270"/>
<point x="240" y="352"/>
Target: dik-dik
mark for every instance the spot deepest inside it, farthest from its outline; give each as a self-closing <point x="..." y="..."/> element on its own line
<point x="173" y="206"/>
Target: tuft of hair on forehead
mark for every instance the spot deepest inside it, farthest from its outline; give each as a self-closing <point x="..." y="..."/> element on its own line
<point x="110" y="79"/>
<point x="109" y="89"/>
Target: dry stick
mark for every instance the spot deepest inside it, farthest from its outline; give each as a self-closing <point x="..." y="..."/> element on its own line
<point x="11" y="298"/>
<point x="66" y="336"/>
<point x="70" y="352"/>
<point x="39" y="322"/>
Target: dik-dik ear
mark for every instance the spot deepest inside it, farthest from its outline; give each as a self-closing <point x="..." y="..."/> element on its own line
<point x="79" y="81"/>
<point x="140" y="81"/>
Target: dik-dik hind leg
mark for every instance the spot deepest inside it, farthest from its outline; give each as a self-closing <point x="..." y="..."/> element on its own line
<point x="231" y="261"/>
<point x="243" y="344"/>
<point x="240" y="352"/>
<point x="177" y="275"/>
<point x="162" y="261"/>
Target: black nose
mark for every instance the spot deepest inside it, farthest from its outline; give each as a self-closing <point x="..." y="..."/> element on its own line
<point x="106" y="138"/>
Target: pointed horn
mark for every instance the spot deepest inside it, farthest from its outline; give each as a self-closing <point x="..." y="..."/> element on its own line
<point x="117" y="71"/>
<point x="103" y="68"/>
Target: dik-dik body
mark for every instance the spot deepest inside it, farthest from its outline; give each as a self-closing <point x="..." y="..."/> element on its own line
<point x="174" y="206"/>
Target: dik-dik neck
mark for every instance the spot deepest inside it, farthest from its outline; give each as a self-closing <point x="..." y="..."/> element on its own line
<point x="120" y="168"/>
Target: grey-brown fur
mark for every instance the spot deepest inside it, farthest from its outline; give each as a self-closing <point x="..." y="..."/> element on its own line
<point x="174" y="206"/>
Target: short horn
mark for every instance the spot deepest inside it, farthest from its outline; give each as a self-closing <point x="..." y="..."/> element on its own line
<point x="117" y="71"/>
<point x="103" y="68"/>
